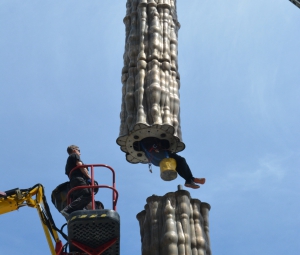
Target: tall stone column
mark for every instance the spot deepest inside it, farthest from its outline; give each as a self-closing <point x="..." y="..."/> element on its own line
<point x="150" y="92"/>
<point x="175" y="224"/>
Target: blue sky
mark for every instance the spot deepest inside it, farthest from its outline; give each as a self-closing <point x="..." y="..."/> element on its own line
<point x="60" y="84"/>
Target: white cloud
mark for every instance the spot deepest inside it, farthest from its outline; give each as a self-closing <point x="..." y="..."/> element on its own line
<point x="268" y="170"/>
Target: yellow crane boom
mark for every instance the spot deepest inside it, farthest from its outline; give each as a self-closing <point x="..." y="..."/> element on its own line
<point x="34" y="197"/>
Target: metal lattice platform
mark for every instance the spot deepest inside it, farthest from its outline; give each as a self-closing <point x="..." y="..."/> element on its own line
<point x="95" y="228"/>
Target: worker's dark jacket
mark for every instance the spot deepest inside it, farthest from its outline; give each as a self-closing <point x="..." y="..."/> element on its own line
<point x="72" y="163"/>
<point x="155" y="149"/>
<point x="77" y="177"/>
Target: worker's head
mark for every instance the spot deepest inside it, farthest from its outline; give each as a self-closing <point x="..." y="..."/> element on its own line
<point x="73" y="149"/>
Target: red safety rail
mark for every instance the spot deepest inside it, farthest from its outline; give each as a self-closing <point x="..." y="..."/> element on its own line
<point x="115" y="194"/>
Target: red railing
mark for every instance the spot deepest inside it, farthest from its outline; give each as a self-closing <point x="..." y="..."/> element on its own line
<point x="115" y="194"/>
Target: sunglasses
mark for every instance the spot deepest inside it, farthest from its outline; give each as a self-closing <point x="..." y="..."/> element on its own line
<point x="77" y="150"/>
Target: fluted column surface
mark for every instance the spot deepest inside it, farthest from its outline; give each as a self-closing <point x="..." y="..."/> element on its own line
<point x="150" y="78"/>
<point x="150" y="75"/>
<point x="175" y="224"/>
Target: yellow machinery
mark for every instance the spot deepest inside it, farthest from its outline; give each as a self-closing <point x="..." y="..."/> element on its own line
<point x="90" y="232"/>
<point x="34" y="197"/>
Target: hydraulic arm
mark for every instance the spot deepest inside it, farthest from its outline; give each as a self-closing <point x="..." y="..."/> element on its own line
<point x="34" y="197"/>
<point x="90" y="232"/>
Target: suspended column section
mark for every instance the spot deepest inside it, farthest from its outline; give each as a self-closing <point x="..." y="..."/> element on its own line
<point x="175" y="224"/>
<point x="150" y="78"/>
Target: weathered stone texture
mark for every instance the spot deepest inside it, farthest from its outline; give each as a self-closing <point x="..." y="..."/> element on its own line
<point x="150" y="74"/>
<point x="175" y="224"/>
<point x="150" y="78"/>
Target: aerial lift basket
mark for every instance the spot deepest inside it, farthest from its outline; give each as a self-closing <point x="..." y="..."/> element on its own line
<point x="94" y="230"/>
